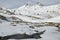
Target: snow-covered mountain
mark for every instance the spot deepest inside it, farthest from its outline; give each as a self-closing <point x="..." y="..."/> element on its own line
<point x="29" y="19"/>
<point x="33" y="13"/>
<point x="38" y="12"/>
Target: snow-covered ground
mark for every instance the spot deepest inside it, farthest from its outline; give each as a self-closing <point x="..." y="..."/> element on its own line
<point x="18" y="21"/>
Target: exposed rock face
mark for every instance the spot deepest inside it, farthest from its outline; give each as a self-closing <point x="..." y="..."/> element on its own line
<point x="23" y="36"/>
<point x="3" y="18"/>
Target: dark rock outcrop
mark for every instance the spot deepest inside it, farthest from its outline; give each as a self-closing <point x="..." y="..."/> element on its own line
<point x="3" y="18"/>
<point x="23" y="36"/>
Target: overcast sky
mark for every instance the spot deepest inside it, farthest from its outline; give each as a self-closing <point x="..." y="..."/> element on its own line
<point x="18" y="3"/>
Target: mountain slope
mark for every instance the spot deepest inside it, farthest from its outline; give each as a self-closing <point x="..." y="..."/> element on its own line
<point x="33" y="13"/>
